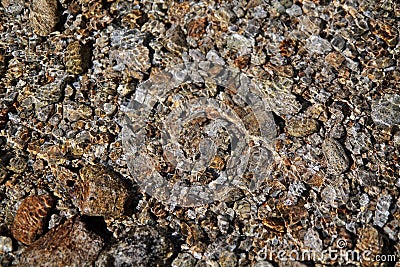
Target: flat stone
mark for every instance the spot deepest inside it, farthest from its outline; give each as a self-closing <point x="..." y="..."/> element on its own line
<point x="300" y="127"/>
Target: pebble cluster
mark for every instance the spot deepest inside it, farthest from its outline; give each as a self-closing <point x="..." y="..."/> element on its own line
<point x="70" y="70"/>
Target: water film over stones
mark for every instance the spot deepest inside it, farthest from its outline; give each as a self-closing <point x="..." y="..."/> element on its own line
<point x="247" y="151"/>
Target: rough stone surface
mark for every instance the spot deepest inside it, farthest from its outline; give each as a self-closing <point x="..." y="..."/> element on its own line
<point x="386" y="110"/>
<point x="70" y="244"/>
<point x="300" y="127"/>
<point x="337" y="160"/>
<point x="44" y="16"/>
<point x="143" y="246"/>
<point x="31" y="218"/>
<point x="101" y="192"/>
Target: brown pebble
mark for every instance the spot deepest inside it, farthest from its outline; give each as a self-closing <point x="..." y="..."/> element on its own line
<point x="300" y="127"/>
<point x="31" y="218"/>
<point x="197" y="28"/>
<point x="70" y="244"/>
<point x="338" y="162"/>
<point x="76" y="58"/>
<point x="43" y="16"/>
<point x="335" y="59"/>
<point x="387" y="33"/>
<point x="371" y="241"/>
<point x="101" y="192"/>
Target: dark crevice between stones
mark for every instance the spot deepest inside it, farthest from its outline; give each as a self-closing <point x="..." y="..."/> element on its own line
<point x="280" y="123"/>
<point x="97" y="225"/>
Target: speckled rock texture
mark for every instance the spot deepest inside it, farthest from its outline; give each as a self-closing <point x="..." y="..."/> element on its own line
<point x="288" y="109"/>
<point x="70" y="244"/>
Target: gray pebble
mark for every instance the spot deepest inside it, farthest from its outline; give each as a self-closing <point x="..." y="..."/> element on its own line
<point x="386" y="111"/>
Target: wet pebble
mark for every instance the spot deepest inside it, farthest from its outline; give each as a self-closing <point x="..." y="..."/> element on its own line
<point x="337" y="160"/>
<point x="77" y="58"/>
<point x="43" y="16"/>
<point x="300" y="127"/>
<point x="101" y="192"/>
<point x="144" y="246"/>
<point x="184" y="260"/>
<point x="386" y="110"/>
<point x="31" y="218"/>
<point x="70" y="244"/>
<point x="5" y="244"/>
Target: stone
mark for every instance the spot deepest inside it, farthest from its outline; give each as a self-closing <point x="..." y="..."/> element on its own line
<point x="43" y="16"/>
<point x="184" y="260"/>
<point x="100" y="192"/>
<point x="77" y="58"/>
<point x="5" y="244"/>
<point x="240" y="43"/>
<point x="70" y="244"/>
<point x="386" y="110"/>
<point x="338" y="162"/>
<point x="318" y="45"/>
<point x="31" y="218"/>
<point x="300" y="127"/>
<point x="144" y="246"/>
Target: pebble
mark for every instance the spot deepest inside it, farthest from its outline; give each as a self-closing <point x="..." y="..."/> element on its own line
<point x="76" y="58"/>
<point x="294" y="11"/>
<point x="184" y="260"/>
<point x="18" y="164"/>
<point x="74" y="111"/>
<point x="337" y="160"/>
<point x="43" y="16"/>
<point x="5" y="244"/>
<point x="144" y="246"/>
<point x="335" y="59"/>
<point x="318" y="45"/>
<point x="386" y="110"/>
<point x="382" y="210"/>
<point x="372" y="241"/>
<point x="240" y="43"/>
<point x="300" y="127"/>
<point x="31" y="218"/>
<point x="101" y="192"/>
<point x="70" y="244"/>
<point x="227" y="259"/>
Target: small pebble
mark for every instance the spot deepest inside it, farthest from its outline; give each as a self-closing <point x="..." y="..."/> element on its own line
<point x="5" y="244"/>
<point x="300" y="127"/>
<point x="70" y="244"/>
<point x="337" y="160"/>
<point x="386" y="110"/>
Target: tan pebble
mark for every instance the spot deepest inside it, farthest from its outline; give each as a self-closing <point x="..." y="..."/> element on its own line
<point x="335" y="59"/>
<point x="76" y="58"/>
<point x="300" y="127"/>
<point x="387" y="33"/>
<point x="197" y="28"/>
<point x="43" y="16"/>
<point x="370" y="241"/>
<point x="227" y="259"/>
